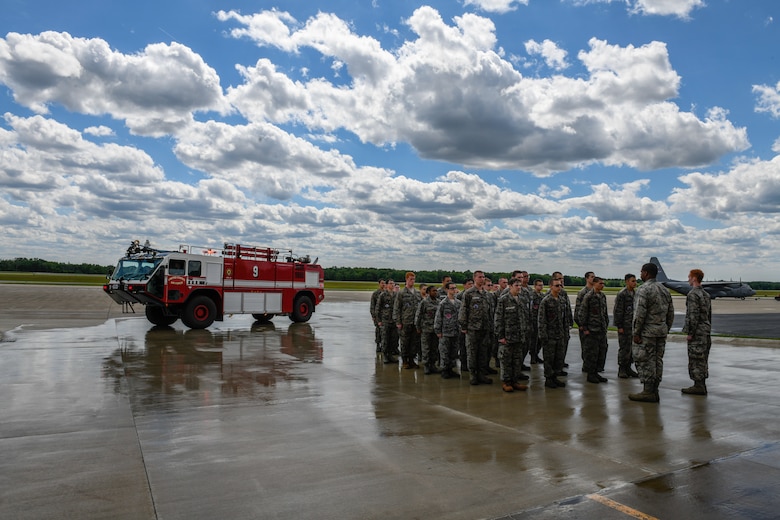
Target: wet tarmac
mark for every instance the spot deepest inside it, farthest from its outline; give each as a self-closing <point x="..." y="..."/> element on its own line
<point x="124" y="420"/>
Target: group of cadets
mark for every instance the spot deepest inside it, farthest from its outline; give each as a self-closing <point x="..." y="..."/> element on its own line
<point x="510" y="321"/>
<point x="507" y="322"/>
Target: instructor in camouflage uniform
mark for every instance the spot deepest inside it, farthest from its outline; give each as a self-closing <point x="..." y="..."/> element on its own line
<point x="653" y="317"/>
<point x="698" y="320"/>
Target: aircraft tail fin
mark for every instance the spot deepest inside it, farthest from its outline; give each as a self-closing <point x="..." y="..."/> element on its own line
<point x="661" y="277"/>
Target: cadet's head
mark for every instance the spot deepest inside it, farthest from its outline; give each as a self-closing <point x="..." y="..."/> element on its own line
<point x="598" y="283"/>
<point x="589" y="278"/>
<point x="555" y="286"/>
<point x="389" y="285"/>
<point x="433" y="292"/>
<point x="515" y="284"/>
<point x="538" y="284"/>
<point x="468" y="283"/>
<point x="479" y="278"/>
<point x="451" y="288"/>
<point x="424" y="288"/>
<point x="697" y="273"/>
<point x="445" y="280"/>
<point x="382" y="284"/>
<point x="649" y="270"/>
<point x="410" y="279"/>
<point x="630" y="281"/>
<point x="503" y="283"/>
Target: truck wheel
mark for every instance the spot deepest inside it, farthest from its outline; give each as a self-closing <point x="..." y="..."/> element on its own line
<point x="263" y="318"/>
<point x="199" y="312"/>
<point x="157" y="315"/>
<point x="302" y="309"/>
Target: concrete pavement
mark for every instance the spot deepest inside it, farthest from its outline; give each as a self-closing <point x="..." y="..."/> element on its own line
<point x="119" y="419"/>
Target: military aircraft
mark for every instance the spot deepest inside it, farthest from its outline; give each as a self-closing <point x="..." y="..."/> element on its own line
<point x="714" y="289"/>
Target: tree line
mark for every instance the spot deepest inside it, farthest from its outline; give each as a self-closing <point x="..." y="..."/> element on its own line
<point x="345" y="274"/>
<point x="37" y="265"/>
<point x="373" y="274"/>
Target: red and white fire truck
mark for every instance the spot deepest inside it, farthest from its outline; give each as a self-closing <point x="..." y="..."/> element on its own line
<point x="201" y="285"/>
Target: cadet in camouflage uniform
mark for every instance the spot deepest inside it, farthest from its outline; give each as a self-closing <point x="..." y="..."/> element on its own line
<point x="698" y="325"/>
<point x="533" y="342"/>
<point x="424" y="320"/>
<point x="653" y="317"/>
<point x="511" y="329"/>
<point x="567" y="315"/>
<point x="623" y="315"/>
<point x="404" y="310"/>
<point x="577" y="303"/>
<point x="448" y="331"/>
<point x="476" y="320"/>
<point x="593" y="319"/>
<point x="377" y="328"/>
<point x="384" y="315"/>
<point x="553" y="329"/>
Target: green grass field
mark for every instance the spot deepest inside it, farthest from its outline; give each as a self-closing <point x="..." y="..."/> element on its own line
<point x="330" y="285"/>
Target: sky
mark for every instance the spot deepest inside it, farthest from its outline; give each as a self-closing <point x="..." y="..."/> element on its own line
<point x="569" y="135"/>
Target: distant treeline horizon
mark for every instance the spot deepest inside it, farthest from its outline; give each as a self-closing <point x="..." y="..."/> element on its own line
<point x="342" y="274"/>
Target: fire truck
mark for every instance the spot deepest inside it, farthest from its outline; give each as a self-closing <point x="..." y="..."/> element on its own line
<point x="201" y="285"/>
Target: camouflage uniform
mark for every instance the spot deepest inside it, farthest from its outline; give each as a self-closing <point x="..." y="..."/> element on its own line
<point x="698" y="319"/>
<point x="384" y="314"/>
<point x="593" y="319"/>
<point x="653" y="317"/>
<point x="577" y="304"/>
<point x="377" y="329"/>
<point x="553" y="331"/>
<point x="563" y="299"/>
<point x="446" y="324"/>
<point x="525" y="298"/>
<point x="423" y="320"/>
<point x="404" y="310"/>
<point x="511" y="323"/>
<point x="476" y="318"/>
<point x="533" y="341"/>
<point x="623" y="314"/>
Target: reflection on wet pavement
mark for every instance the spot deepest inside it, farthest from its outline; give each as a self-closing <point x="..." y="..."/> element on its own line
<point x="283" y="420"/>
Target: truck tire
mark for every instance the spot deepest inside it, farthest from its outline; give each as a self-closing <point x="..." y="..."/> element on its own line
<point x="303" y="307"/>
<point x="156" y="315"/>
<point x="263" y="318"/>
<point x="199" y="313"/>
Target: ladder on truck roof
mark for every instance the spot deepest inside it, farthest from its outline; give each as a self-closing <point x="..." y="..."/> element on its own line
<point x="250" y="252"/>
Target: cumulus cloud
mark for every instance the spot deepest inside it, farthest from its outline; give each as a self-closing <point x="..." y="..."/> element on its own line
<point x="554" y="56"/>
<point x="608" y="204"/>
<point x="768" y="99"/>
<point x="452" y="96"/>
<point x="678" y="8"/>
<point x="495" y="6"/>
<point x="751" y="186"/>
<point x="154" y="91"/>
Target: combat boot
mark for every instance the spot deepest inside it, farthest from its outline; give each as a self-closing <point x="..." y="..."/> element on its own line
<point x="632" y="372"/>
<point x="648" y="395"/>
<point x="484" y="380"/>
<point x="623" y="373"/>
<point x="519" y="386"/>
<point x="698" y="388"/>
<point x="506" y="387"/>
<point x="549" y="382"/>
<point x="593" y="377"/>
<point x="447" y="374"/>
<point x="558" y="382"/>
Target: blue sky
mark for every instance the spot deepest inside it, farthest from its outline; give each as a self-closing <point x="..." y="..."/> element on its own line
<point x="567" y="135"/>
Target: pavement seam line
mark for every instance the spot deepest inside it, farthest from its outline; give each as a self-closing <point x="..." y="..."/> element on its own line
<point x="620" y="507"/>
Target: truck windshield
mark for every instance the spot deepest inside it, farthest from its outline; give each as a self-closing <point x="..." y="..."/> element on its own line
<point x="135" y="269"/>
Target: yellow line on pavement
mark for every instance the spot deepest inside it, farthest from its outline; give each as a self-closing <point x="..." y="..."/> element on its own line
<point x="620" y="507"/>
